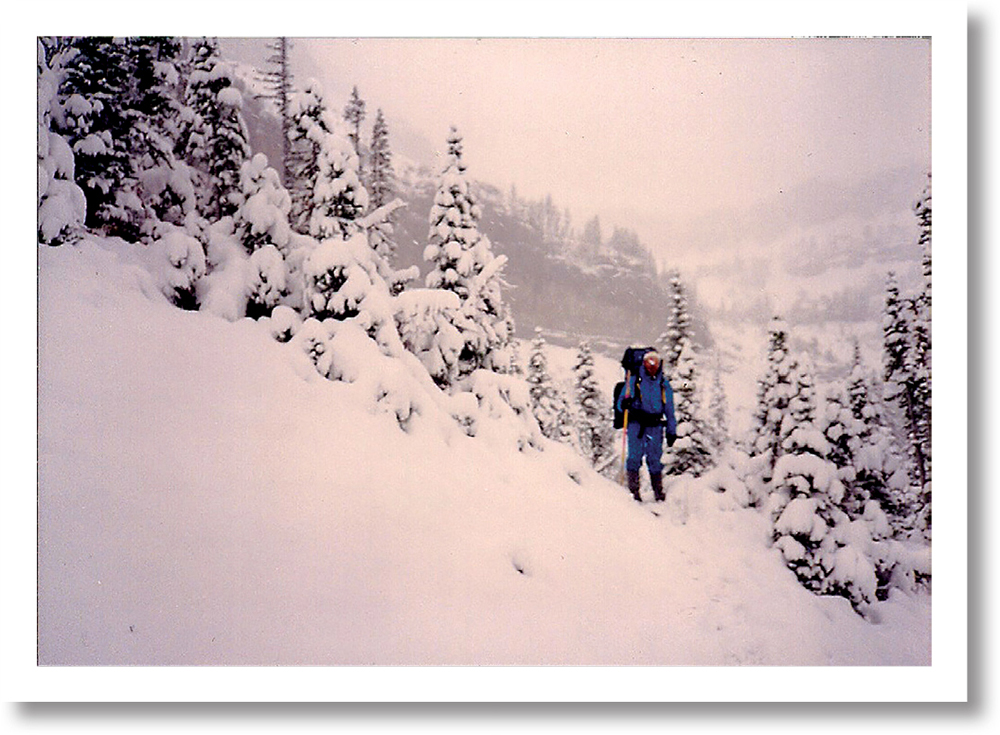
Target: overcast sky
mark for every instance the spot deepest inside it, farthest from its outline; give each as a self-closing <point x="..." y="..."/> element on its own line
<point x="760" y="168"/>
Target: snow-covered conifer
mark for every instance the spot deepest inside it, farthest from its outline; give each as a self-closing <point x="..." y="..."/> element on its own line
<point x="678" y="331"/>
<point x="326" y="191"/>
<point x="62" y="206"/>
<point x="426" y="319"/>
<point x="216" y="142"/>
<point x="354" y="115"/>
<point x="877" y="474"/>
<point x="268" y="275"/>
<point x="774" y="393"/>
<point x="278" y="82"/>
<point x="547" y="403"/>
<point x="718" y="415"/>
<point x="262" y="215"/>
<point x="692" y="452"/>
<point x="311" y="122"/>
<point x="907" y="379"/>
<point x="380" y="182"/>
<point x="463" y="262"/>
<point x="94" y="121"/>
<point x="804" y="504"/>
<point x="596" y="436"/>
<point x="339" y="199"/>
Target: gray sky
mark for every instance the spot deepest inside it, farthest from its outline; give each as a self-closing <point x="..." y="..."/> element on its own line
<point x="760" y="168"/>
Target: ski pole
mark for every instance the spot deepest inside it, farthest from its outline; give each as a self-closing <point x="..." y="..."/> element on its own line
<point x="628" y="395"/>
<point x="624" y="443"/>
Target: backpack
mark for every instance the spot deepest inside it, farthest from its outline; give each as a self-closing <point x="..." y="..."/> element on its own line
<point x="631" y="362"/>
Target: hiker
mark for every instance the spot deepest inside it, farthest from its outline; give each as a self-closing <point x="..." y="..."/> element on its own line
<point x="649" y="401"/>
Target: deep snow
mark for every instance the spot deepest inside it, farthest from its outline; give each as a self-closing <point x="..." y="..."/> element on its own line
<point x="205" y="497"/>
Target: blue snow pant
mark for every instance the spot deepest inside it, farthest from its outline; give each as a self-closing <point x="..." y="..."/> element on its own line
<point x="644" y="441"/>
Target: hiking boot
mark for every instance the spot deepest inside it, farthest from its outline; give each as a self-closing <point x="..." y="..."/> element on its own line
<point x="633" y="485"/>
<point x="657" y="482"/>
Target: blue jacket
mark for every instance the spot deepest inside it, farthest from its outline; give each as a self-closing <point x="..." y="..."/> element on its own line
<point x="653" y="400"/>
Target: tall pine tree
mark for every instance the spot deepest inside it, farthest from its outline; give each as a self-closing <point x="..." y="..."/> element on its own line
<point x="774" y="393"/>
<point x="718" y="415"/>
<point x="380" y="181"/>
<point x="217" y="139"/>
<point x="907" y="381"/>
<point x="278" y="83"/>
<point x="463" y="262"/>
<point x="678" y="331"/>
<point x="94" y="121"/>
<point x="354" y="114"/>
<point x="311" y="121"/>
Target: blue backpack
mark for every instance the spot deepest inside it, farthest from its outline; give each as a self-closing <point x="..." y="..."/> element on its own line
<point x="631" y="362"/>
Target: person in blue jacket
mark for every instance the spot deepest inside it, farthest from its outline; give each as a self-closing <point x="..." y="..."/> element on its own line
<point x="649" y="399"/>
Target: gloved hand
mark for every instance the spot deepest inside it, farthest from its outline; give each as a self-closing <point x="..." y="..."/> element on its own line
<point x="671" y="438"/>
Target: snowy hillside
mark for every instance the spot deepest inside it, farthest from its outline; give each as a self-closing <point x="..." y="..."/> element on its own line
<point x="205" y="497"/>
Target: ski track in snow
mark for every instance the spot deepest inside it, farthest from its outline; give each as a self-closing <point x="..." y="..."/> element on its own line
<point x="206" y="498"/>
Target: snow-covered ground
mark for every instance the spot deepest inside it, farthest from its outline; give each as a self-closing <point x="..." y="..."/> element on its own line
<point x="206" y="498"/>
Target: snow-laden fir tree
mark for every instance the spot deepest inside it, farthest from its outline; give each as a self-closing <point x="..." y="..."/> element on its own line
<point x="692" y="452"/>
<point x="594" y="426"/>
<point x="809" y="527"/>
<point x="93" y="120"/>
<point x="907" y="381"/>
<point x="877" y="473"/>
<point x="261" y="217"/>
<point x="339" y="200"/>
<point x="166" y="183"/>
<point x="462" y="261"/>
<point x="678" y="331"/>
<point x="380" y="181"/>
<point x="62" y="206"/>
<point x="548" y="405"/>
<point x="354" y="115"/>
<point x="774" y="393"/>
<point x="216" y="141"/>
<point x="277" y="80"/>
<point x="921" y="358"/>
<point x="311" y="121"/>
<point x="718" y="415"/>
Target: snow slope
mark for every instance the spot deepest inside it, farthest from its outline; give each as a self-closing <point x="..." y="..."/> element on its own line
<point x="205" y="497"/>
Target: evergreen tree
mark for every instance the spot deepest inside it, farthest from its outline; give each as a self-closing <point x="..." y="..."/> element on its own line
<point x="692" y="452"/>
<point x="339" y="199"/>
<point x="156" y="111"/>
<point x="921" y="359"/>
<point x="354" y="114"/>
<point x="463" y="262"/>
<point x="718" y="416"/>
<point x="311" y="123"/>
<point x="381" y="184"/>
<point x="596" y="436"/>
<point x="62" y="206"/>
<point x="278" y="82"/>
<point x="262" y="216"/>
<point x="876" y="474"/>
<point x="774" y="394"/>
<point x="547" y="404"/>
<point x="94" y="122"/>
<point x="907" y="381"/>
<point x="678" y="331"/>
<point x="805" y="497"/>
<point x="216" y="142"/>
